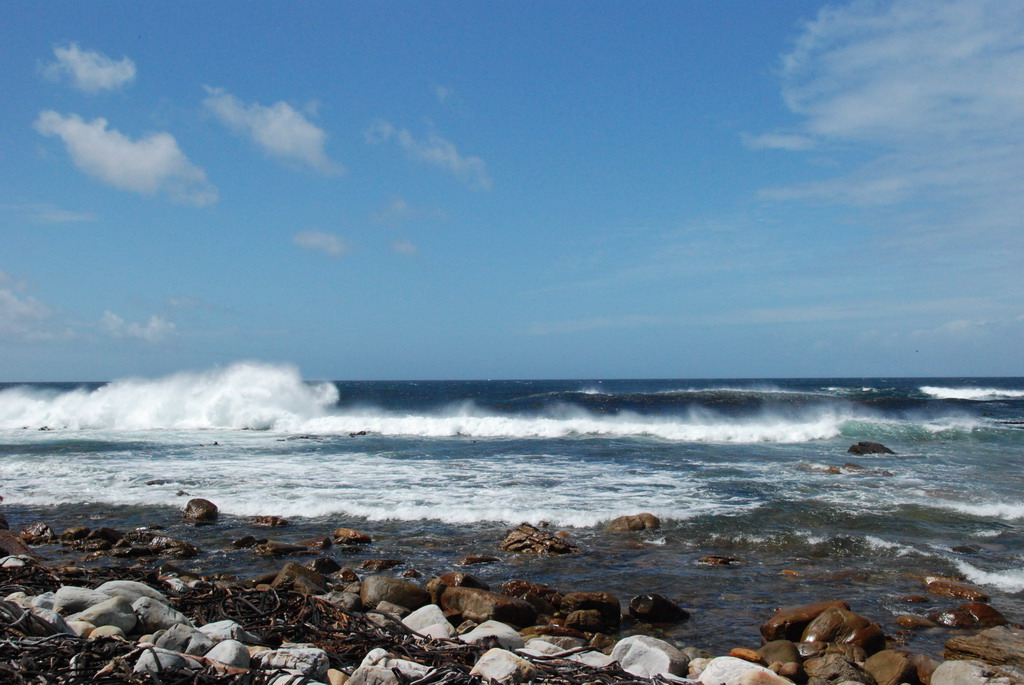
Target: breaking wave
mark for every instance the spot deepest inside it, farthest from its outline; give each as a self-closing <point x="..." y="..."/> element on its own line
<point x="975" y="394"/>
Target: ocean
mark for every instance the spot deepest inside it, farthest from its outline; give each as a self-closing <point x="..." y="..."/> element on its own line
<point x="752" y="469"/>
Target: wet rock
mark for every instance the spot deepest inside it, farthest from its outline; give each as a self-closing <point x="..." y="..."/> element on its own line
<point x="890" y="667"/>
<point x="472" y="559"/>
<point x="502" y="666"/>
<point x="544" y="599"/>
<point x="634" y="522"/>
<point x="109" y="535"/>
<point x="925" y="666"/>
<point x="789" y="622"/>
<point x="379" y="564"/>
<point x="345" y="575"/>
<point x="38" y="534"/>
<point x="718" y="561"/>
<point x="463" y="579"/>
<point x="865" y="447"/>
<point x="747" y="655"/>
<point x="603" y="602"/>
<point x="404" y="593"/>
<point x="200" y="510"/>
<point x="138" y="543"/>
<point x="324" y="565"/>
<point x="483" y="605"/>
<point x="269" y="521"/>
<point x="527" y="539"/>
<point x="845" y="627"/>
<point x="950" y="587"/>
<point x="784" y="651"/>
<point x="1002" y="645"/>
<point x="245" y="542"/>
<point x="911" y="622"/>
<point x="350" y="536"/>
<point x="346" y="600"/>
<point x="300" y="579"/>
<point x="585" y="620"/>
<point x="74" y="533"/>
<point x="792" y="670"/>
<point x="3" y="523"/>
<point x="833" y="669"/>
<point x="13" y="545"/>
<point x="654" y="608"/>
<point x="317" y="544"/>
<point x="274" y="548"/>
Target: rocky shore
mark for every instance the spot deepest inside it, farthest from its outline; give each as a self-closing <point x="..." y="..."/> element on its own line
<point x="145" y="618"/>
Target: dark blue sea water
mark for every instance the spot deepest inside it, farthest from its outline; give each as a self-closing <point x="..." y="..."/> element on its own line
<point x="755" y="469"/>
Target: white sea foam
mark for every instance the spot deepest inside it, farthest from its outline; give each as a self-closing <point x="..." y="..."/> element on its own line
<point x="879" y="544"/>
<point x="977" y="394"/>
<point x="1007" y="581"/>
<point x="1008" y="511"/>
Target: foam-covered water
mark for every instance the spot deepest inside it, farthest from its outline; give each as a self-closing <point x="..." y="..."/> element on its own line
<point x="753" y="469"/>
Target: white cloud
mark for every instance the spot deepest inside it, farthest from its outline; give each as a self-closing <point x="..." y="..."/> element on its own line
<point x="928" y="93"/>
<point x="404" y="247"/>
<point x="90" y="72"/>
<point x="443" y="93"/>
<point x="327" y="243"/>
<point x="149" y="165"/>
<point x="21" y="316"/>
<point x="434" y="150"/>
<point x="155" y="330"/>
<point x="279" y="129"/>
<point x="398" y="210"/>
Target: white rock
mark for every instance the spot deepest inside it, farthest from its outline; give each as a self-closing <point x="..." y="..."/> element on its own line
<point x="504" y="667"/>
<point x="131" y="590"/>
<point x="648" y="656"/>
<point x="154" y="614"/>
<point x="383" y="659"/>
<point x="594" y="658"/>
<point x="184" y="639"/>
<point x="106" y="631"/>
<point x="43" y="601"/>
<point x="19" y="598"/>
<point x="154" y="660"/>
<point x="227" y="630"/>
<point x="539" y="646"/>
<point x="506" y="635"/>
<point x="309" y="661"/>
<point x="114" y="611"/>
<point x="70" y="599"/>
<point x="294" y="679"/>
<point x="230" y="653"/>
<point x="372" y="675"/>
<point x="729" y="670"/>
<point x="967" y="672"/>
<point x="177" y="585"/>
<point x="81" y="628"/>
<point x="426" y="615"/>
<point x="438" y="631"/>
<point x="14" y="561"/>
<point x="53" y="618"/>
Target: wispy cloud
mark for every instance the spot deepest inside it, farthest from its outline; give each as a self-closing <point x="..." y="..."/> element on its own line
<point x="42" y="213"/>
<point x="398" y="210"/>
<point x="155" y="330"/>
<point x="90" y="72"/>
<point x="279" y="129"/>
<point x="433" y="150"/>
<point x="404" y="247"/>
<point x="443" y="93"/>
<point x="21" y="316"/>
<point x="150" y="165"/>
<point x="329" y="244"/>
<point x="930" y="89"/>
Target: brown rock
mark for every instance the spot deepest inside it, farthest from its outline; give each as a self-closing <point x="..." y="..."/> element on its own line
<point x="345" y="575"/>
<point x="245" y="542"/>
<point x="606" y="603"/>
<point x="463" y="579"/>
<point x="913" y="599"/>
<point x="890" y="667"/>
<point x="718" y="561"/>
<point x="472" y="559"/>
<point x="788" y="623"/>
<point x="793" y="670"/>
<point x="13" y="545"/>
<point x="527" y="539"/>
<point x="74" y="533"/>
<point x="865" y="447"/>
<point x="654" y="608"/>
<point x="200" y="510"/>
<point x="349" y="536"/>
<point x="379" y="564"/>
<point x="925" y="666"/>
<point x="324" y="565"/>
<point x="482" y="605"/>
<point x="106" y="534"/>
<point x="411" y="573"/>
<point x="949" y="587"/>
<point x="38" y="534"/>
<point x="784" y="651"/>
<point x="635" y="522"/>
<point x="747" y="655"/>
<point x="376" y="589"/>
<point x="585" y="620"/>
<point x="914" y="622"/>
<point x="300" y="579"/>
<point x="835" y="668"/>
<point x="552" y="631"/>
<point x="319" y="543"/>
<point x="1000" y="646"/>
<point x="544" y="599"/>
<point x="985" y="616"/>
<point x="3" y="521"/>
<point x="269" y="521"/>
<point x="273" y="548"/>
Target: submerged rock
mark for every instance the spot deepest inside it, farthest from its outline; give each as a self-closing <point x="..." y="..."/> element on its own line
<point x="655" y="608"/>
<point x="866" y="447"/>
<point x="527" y="539"/>
<point x="200" y="510"/>
<point x="633" y="522"/>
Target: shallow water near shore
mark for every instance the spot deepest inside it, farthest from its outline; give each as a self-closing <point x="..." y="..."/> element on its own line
<point x="751" y="469"/>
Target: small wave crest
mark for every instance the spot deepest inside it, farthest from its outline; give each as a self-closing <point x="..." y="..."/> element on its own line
<point x="1007" y="581"/>
<point x="975" y="394"/>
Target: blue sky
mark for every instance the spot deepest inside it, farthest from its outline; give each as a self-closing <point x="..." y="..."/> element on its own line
<point x="397" y="190"/>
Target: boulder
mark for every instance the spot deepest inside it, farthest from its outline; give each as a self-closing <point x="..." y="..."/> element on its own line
<point x="200" y="510"/>
<point x="865" y="447"/>
<point x="505" y="635"/>
<point x="70" y="599"/>
<point x="300" y="579"/>
<point x="1000" y="646"/>
<point x="425" y="616"/>
<point x="462" y="579"/>
<point x="184" y="639"/>
<point x="401" y="592"/>
<point x="585" y="620"/>
<point x="38" y="534"/>
<point x="13" y="545"/>
<point x="950" y="587"/>
<point x="784" y="651"/>
<point x="633" y="522"/>
<point x="115" y="611"/>
<point x="730" y="670"/>
<point x="788" y="623"/>
<point x="607" y="604"/>
<point x="323" y="565"/>
<point x="890" y="667"/>
<point x="154" y="660"/>
<point x="311" y="662"/>
<point x="833" y="669"/>
<point x="527" y="539"/>
<point x="654" y="608"/>
<point x="969" y="673"/>
<point x="155" y="615"/>
<point x="483" y="605"/>
<point x="845" y="627"/>
<point x="380" y="564"/>
<point x="131" y="590"/>
<point x="349" y="536"/>
<point x="473" y="559"/>
<point x="544" y="599"/>
<point x="219" y="631"/>
<point x="648" y="657"/>
<point x="381" y="658"/>
<point x="501" y="666"/>
<point x="269" y="521"/>
<point x="231" y="653"/>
